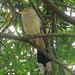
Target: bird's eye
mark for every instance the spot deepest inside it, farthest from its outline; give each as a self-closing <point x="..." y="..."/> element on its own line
<point x="26" y="12"/>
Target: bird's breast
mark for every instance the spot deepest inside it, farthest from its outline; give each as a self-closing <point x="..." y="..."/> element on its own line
<point x="31" y="24"/>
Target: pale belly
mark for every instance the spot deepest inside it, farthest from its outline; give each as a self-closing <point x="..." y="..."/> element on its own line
<point x="31" y="26"/>
<point x="31" y="29"/>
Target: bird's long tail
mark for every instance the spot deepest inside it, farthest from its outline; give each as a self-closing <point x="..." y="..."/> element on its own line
<point x="44" y="63"/>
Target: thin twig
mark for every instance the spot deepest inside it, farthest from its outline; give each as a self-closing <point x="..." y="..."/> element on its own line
<point x="43" y="25"/>
<point x="8" y="24"/>
<point x="36" y="10"/>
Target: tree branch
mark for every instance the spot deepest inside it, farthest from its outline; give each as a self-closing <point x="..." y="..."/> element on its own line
<point x="70" y="6"/>
<point x="3" y="35"/>
<point x="57" y="11"/>
<point x="11" y="6"/>
<point x="51" y="35"/>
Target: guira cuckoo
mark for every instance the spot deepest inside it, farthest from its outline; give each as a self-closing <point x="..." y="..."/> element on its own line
<point x="32" y="25"/>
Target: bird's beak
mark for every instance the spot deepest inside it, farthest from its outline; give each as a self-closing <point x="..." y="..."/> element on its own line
<point x="20" y="12"/>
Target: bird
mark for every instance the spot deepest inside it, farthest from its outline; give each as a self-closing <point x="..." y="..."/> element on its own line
<point x="32" y="25"/>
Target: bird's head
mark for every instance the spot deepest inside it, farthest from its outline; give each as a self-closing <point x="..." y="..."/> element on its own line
<point x="27" y="10"/>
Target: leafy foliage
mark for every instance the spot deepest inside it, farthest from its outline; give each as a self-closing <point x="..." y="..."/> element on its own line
<point x="19" y="58"/>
